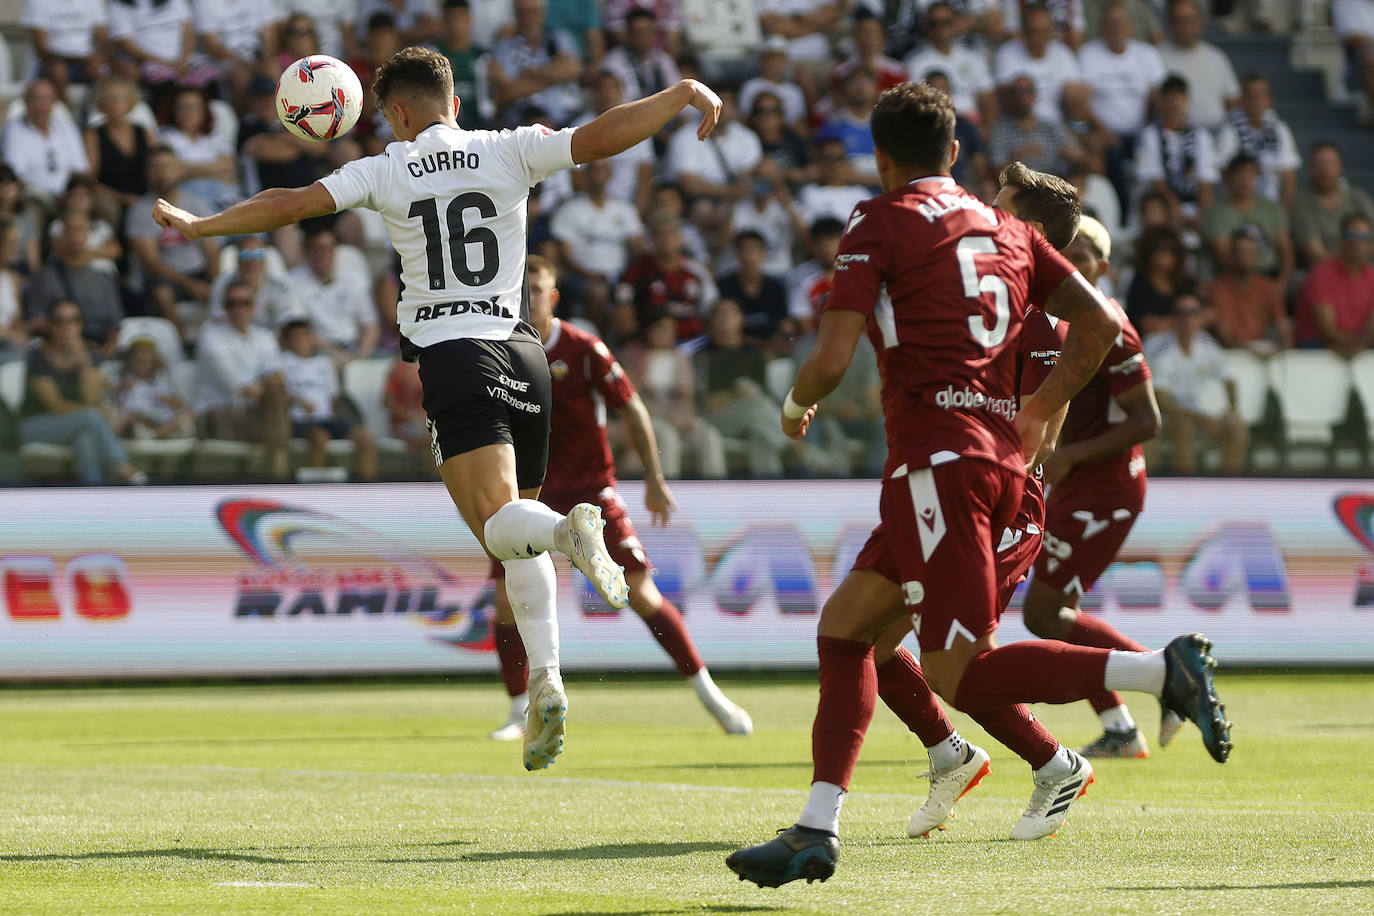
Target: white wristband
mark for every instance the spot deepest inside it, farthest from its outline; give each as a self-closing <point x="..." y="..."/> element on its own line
<point x="791" y="409"/>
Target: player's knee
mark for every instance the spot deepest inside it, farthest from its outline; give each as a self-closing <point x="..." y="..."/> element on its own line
<point x="645" y="598"/>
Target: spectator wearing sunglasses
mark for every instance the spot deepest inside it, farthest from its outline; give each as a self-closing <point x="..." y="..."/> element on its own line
<point x="1336" y="306"/>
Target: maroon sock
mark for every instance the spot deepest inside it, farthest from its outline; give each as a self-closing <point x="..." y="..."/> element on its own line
<point x="1019" y="732"/>
<point x="515" y="665"/>
<point x="1093" y="631"/>
<point x="667" y="626"/>
<point x="849" y="691"/>
<point x="1043" y="671"/>
<point x="906" y="693"/>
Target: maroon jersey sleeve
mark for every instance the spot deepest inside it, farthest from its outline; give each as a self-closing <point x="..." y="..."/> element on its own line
<point x="1042" y="340"/>
<point x="1049" y="271"/>
<point x="1125" y="366"/>
<point x="860" y="263"/>
<point x="606" y="376"/>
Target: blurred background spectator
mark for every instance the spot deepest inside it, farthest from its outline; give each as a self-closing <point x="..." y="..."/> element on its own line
<point x="1336" y="307"/>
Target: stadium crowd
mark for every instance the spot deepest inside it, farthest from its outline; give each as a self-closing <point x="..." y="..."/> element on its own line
<point x="127" y="350"/>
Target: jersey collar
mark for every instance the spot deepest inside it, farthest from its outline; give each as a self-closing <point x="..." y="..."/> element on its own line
<point x="554" y="335"/>
<point x="945" y="180"/>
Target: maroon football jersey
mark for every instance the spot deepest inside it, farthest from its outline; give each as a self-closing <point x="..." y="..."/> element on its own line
<point x="586" y="380"/>
<point x="944" y="282"/>
<point x="1090" y="412"/>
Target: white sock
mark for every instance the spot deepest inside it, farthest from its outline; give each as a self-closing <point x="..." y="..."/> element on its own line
<point x="822" y="811"/>
<point x="948" y="754"/>
<point x="522" y="528"/>
<point x="531" y="586"/>
<point x="1141" y="671"/>
<point x="1117" y="719"/>
<point x="708" y="693"/>
<point x="519" y="704"/>
<point x="1060" y="765"/>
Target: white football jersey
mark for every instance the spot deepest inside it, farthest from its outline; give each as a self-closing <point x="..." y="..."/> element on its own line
<point x="454" y="205"/>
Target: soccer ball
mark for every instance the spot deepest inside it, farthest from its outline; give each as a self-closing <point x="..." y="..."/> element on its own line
<point x="319" y="98"/>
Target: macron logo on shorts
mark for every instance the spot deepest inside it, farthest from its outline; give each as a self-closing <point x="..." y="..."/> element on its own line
<point x="930" y="520"/>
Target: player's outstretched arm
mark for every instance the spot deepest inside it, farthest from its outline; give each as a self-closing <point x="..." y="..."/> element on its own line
<point x="658" y="499"/>
<point x="263" y="212"/>
<point x="824" y="369"/>
<point x="625" y="125"/>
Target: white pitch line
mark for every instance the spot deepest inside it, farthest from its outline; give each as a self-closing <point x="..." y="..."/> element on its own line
<point x="916" y="794"/>
<point x="262" y="884"/>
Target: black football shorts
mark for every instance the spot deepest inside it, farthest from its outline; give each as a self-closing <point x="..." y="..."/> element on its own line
<point x="485" y="392"/>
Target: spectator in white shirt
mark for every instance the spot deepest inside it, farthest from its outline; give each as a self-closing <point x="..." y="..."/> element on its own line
<point x="240" y="393"/>
<point x="643" y="67"/>
<point x="834" y="192"/>
<point x="1049" y="63"/>
<point x="772" y="79"/>
<point x="274" y="295"/>
<point x="1255" y="128"/>
<point x="970" y="83"/>
<point x="238" y="35"/>
<point x="1205" y="66"/>
<point x="338" y="301"/>
<point x="632" y="172"/>
<point x="45" y="151"/>
<point x="1353" y="21"/>
<point x="805" y="24"/>
<point x="312" y="392"/>
<point x="597" y="234"/>
<point x="1067" y="16"/>
<point x="209" y="169"/>
<point x="1184" y="361"/>
<point x="68" y="39"/>
<point x="722" y="166"/>
<point x="1176" y="157"/>
<point x="157" y="42"/>
<point x="336" y="24"/>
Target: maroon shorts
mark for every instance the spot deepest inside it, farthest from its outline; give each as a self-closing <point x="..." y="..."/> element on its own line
<point x="1085" y="526"/>
<point x="621" y="541"/>
<point x="938" y="538"/>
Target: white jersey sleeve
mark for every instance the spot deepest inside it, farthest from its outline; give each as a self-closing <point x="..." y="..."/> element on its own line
<point x="544" y="151"/>
<point x="356" y="183"/>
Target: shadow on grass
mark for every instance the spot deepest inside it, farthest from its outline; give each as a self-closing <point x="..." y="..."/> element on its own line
<point x="588" y="853"/>
<point x="1282" y="886"/>
<point x="750" y="765"/>
<point x="215" y="855"/>
<point x="698" y="909"/>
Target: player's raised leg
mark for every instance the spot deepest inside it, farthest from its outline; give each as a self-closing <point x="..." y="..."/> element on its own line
<point x="666" y="624"/>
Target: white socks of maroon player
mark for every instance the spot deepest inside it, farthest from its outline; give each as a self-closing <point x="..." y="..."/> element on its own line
<point x="530" y="587"/>
<point x="521" y="528"/>
<point x="1142" y="671"/>
<point x="822" y="811"/>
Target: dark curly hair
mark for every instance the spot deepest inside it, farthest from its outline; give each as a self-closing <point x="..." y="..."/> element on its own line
<point x="417" y="72"/>
<point x="913" y="123"/>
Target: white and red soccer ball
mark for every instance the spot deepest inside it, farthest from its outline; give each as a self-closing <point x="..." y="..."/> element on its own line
<point x="319" y="98"/>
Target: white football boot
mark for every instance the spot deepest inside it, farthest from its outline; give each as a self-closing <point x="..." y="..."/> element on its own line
<point x="1050" y="801"/>
<point x="579" y="537"/>
<point x="946" y="788"/>
<point x="546" y="719"/>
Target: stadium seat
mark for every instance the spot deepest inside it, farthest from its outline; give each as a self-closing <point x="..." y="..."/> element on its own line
<point x="240" y="455"/>
<point x="779" y="374"/>
<point x="1362" y="374"/>
<point x="160" y="331"/>
<point x="364" y="380"/>
<point x="1252" y="384"/>
<point x="12" y="384"/>
<point x="1313" y="391"/>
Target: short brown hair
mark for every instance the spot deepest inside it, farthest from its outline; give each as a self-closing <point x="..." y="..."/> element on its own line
<point x="914" y="124"/>
<point x="1049" y="200"/>
<point x="414" y="71"/>
<point x="537" y="264"/>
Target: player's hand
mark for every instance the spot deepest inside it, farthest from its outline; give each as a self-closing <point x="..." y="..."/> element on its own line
<point x="658" y="499"/>
<point x="708" y="103"/>
<point x="1057" y="466"/>
<point x="796" y="429"/>
<point x="170" y="217"/>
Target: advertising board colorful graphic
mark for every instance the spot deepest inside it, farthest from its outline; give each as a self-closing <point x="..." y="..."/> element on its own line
<point x="385" y="578"/>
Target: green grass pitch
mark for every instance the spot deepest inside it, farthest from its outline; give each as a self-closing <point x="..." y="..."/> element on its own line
<point x="387" y="797"/>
